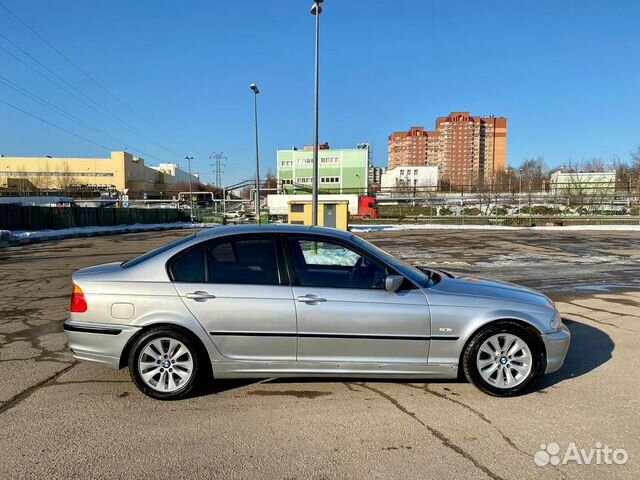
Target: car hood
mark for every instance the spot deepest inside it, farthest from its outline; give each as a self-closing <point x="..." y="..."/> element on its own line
<point x="480" y="287"/>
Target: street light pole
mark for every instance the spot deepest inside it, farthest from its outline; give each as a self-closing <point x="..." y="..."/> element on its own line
<point x="255" y="91"/>
<point x="188" y="159"/>
<point x="316" y="10"/>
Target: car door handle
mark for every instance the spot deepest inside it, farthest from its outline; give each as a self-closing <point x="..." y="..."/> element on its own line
<point x="311" y="299"/>
<point x="199" y="296"/>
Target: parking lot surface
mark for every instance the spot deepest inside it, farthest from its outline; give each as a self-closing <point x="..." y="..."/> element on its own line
<point x="64" y="419"/>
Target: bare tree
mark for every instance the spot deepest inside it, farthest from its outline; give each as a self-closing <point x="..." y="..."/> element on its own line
<point x="634" y="177"/>
<point x="270" y="182"/>
<point x="594" y="165"/>
<point x="445" y="184"/>
<point x="623" y="173"/>
<point x="533" y="172"/>
<point x="65" y="180"/>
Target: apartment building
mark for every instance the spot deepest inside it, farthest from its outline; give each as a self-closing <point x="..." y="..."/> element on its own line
<point x="467" y="150"/>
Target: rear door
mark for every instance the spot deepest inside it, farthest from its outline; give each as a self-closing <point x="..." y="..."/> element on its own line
<point x="238" y="290"/>
<point x="344" y="313"/>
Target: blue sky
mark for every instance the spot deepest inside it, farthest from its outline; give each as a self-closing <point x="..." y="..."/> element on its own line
<point x="566" y="74"/>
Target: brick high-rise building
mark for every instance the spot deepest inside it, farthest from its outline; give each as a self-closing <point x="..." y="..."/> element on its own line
<point x="465" y="149"/>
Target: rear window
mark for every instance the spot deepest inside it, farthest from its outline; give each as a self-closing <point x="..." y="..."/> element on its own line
<point x="135" y="261"/>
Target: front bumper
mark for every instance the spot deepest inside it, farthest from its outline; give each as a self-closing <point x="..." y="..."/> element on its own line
<point x="98" y="343"/>
<point x="556" y="344"/>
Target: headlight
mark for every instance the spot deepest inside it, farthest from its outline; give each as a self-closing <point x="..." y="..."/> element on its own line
<point x="556" y="322"/>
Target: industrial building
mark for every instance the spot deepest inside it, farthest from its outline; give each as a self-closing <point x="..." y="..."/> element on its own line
<point x="400" y="179"/>
<point x="118" y="172"/>
<point x="340" y="170"/>
<point x="583" y="183"/>
<point x="467" y="150"/>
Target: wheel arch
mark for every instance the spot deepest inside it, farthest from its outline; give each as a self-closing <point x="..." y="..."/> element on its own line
<point x="203" y="351"/>
<point x="535" y="333"/>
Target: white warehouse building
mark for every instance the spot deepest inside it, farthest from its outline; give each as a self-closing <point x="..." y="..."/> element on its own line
<point x="402" y="177"/>
<point x="577" y="183"/>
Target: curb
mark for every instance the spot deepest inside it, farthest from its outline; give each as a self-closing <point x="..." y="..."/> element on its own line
<point x="27" y="241"/>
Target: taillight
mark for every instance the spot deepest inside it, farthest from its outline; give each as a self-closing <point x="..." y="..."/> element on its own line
<point x="78" y="303"/>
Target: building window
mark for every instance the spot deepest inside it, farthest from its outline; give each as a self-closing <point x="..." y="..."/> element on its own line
<point x="56" y="174"/>
<point x="330" y="160"/>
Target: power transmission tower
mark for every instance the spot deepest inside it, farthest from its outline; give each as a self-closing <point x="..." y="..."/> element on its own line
<point x="218" y="163"/>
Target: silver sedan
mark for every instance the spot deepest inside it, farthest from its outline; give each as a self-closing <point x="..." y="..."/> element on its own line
<point x="293" y="301"/>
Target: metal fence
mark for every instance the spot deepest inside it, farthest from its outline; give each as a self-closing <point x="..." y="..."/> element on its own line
<point x="507" y="220"/>
<point x="16" y="217"/>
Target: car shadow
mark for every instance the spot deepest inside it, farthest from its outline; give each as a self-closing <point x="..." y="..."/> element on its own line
<point x="589" y="349"/>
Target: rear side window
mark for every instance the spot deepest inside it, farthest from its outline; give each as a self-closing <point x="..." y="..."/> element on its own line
<point x="189" y="267"/>
<point x="157" y="251"/>
<point x="243" y="261"/>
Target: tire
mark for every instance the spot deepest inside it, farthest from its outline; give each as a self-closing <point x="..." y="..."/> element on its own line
<point x="512" y="368"/>
<point x="165" y="363"/>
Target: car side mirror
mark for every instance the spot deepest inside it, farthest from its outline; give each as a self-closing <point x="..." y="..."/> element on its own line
<point x="392" y="283"/>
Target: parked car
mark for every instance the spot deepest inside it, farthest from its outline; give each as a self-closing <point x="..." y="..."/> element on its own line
<point x="259" y="301"/>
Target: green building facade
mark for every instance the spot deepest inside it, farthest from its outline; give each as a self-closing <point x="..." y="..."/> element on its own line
<point x="340" y="170"/>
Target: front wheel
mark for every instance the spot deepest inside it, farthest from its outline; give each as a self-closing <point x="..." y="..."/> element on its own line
<point x="503" y="359"/>
<point x="163" y="363"/>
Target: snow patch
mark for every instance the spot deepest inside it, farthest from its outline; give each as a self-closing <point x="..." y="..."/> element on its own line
<point x="385" y="228"/>
<point x="26" y="235"/>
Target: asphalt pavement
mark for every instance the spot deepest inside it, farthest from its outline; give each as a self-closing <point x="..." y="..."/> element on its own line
<point x="64" y="419"/>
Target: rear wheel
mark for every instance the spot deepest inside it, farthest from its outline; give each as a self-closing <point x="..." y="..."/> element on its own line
<point x="163" y="363"/>
<point x="503" y="359"/>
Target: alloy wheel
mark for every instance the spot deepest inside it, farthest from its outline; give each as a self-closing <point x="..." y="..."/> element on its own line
<point x="165" y="364"/>
<point x="504" y="360"/>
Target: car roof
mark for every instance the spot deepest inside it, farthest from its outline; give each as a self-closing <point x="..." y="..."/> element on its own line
<point x="271" y="228"/>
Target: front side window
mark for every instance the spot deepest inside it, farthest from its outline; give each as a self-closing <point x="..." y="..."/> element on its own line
<point x="243" y="261"/>
<point x="328" y="264"/>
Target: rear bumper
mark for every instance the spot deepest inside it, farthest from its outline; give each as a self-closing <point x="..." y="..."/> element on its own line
<point x="556" y="345"/>
<point x="98" y="343"/>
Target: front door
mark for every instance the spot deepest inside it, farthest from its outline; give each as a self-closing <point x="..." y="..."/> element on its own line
<point x="330" y="215"/>
<point x="234" y="286"/>
<point x="345" y="314"/>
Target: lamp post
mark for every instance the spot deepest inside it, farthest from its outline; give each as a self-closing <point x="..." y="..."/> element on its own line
<point x="255" y="91"/>
<point x="188" y="159"/>
<point x="316" y="10"/>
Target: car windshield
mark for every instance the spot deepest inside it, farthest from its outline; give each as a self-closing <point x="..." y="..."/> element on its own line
<point x="415" y="275"/>
<point x="135" y="261"/>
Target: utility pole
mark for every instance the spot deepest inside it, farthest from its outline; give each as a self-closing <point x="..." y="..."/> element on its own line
<point x="316" y="10"/>
<point x="255" y="91"/>
<point x="188" y="159"/>
<point x="218" y="164"/>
